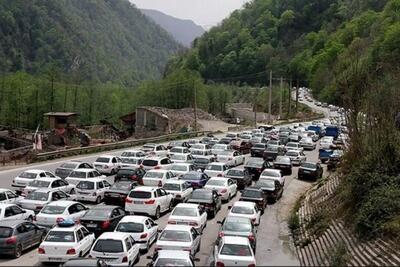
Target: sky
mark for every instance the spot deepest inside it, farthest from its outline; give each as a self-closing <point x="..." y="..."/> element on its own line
<point x="206" y="13"/>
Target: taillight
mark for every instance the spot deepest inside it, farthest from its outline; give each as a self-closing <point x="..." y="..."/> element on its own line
<point x="251" y="265"/>
<point x="59" y="220"/>
<point x="260" y="170"/>
<point x="230" y="158"/>
<point x="143" y="235"/>
<point x="157" y="167"/>
<point x="128" y="200"/>
<point x="219" y="175"/>
<point x="224" y="190"/>
<point x="221" y="234"/>
<point x="71" y="251"/>
<point x="11" y="240"/>
<point x="157" y="249"/>
<point x="160" y="183"/>
<point x="150" y="202"/>
<point x="253" y="220"/>
<point x="171" y="222"/>
<point x="220" y="264"/>
<point x="105" y="224"/>
<point x="187" y="249"/>
<point x="134" y="177"/>
<point x="252" y="238"/>
<point x="141" y="166"/>
<point x="178" y="196"/>
<point x="125" y="259"/>
<point x="193" y="224"/>
<point x="41" y="251"/>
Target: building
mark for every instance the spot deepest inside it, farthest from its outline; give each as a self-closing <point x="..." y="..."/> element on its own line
<point x="62" y="127"/>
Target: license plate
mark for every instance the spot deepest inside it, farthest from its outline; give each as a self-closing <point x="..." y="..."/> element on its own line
<point x="137" y="202"/>
<point x="91" y="225"/>
<point x="55" y="259"/>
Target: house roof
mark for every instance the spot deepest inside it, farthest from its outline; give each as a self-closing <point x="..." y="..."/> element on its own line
<point x="60" y="114"/>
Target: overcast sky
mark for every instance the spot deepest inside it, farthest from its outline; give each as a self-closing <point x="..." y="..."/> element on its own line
<point x="203" y="12"/>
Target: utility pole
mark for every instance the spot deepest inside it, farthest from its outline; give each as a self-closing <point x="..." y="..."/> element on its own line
<point x="255" y="107"/>
<point x="280" y="98"/>
<point x="290" y="98"/>
<point x="297" y="95"/>
<point x="195" y="105"/>
<point x="270" y="98"/>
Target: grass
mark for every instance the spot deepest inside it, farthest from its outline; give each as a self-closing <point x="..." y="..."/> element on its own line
<point x="338" y="256"/>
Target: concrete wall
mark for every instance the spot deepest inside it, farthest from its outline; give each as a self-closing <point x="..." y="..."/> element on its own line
<point x="148" y="121"/>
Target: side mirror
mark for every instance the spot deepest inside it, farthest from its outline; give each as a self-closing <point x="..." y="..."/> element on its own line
<point x="23" y="211"/>
<point x="219" y="222"/>
<point x="196" y="259"/>
<point x="229" y="207"/>
<point x="149" y="257"/>
<point x="159" y="230"/>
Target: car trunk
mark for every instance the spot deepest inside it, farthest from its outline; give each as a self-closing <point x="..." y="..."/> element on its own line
<point x="236" y="260"/>
<point x="57" y="249"/>
<point x="109" y="258"/>
<point x="94" y="223"/>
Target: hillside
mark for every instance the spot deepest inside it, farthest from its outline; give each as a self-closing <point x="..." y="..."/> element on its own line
<point x="102" y="40"/>
<point x="184" y="31"/>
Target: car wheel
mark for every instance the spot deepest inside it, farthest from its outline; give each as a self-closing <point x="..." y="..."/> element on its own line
<point x="170" y="206"/>
<point x="147" y="247"/>
<point x="157" y="214"/>
<point x="42" y="237"/>
<point x="18" y="252"/>
<point x="72" y="192"/>
<point x="98" y="200"/>
<point x="30" y="219"/>
<point x="137" y="258"/>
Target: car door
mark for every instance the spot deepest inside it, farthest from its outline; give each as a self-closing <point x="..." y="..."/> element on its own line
<point x="232" y="187"/>
<point x="19" y="214"/>
<point x="87" y="240"/>
<point x="162" y="198"/>
<point x="11" y="197"/>
<point x="3" y="198"/>
<point x="64" y="186"/>
<point x="24" y="237"/>
<point x="152" y="228"/>
<point x="129" y="248"/>
<point x="217" y="200"/>
<point x="196" y="240"/>
<point x="49" y="174"/>
<point x="203" y="215"/>
<point x="80" y="242"/>
<point x="100" y="189"/>
<point x="33" y="233"/>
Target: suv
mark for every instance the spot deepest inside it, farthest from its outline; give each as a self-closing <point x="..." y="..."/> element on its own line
<point x="150" y="163"/>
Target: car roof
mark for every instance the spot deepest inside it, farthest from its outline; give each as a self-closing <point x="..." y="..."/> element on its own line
<point x="158" y="170"/>
<point x="239" y="168"/>
<point x="219" y="179"/>
<point x="217" y="163"/>
<point x="67" y="228"/>
<point x="46" y="190"/>
<point x="175" y="182"/>
<point x="182" y="163"/>
<point x="238" y="219"/>
<point x="93" y="179"/>
<point x="134" y="218"/>
<point x="181" y="147"/>
<point x="106" y="156"/>
<point x="11" y="223"/>
<point x="145" y="188"/>
<point x="235" y="240"/>
<point x="178" y="227"/>
<point x="4" y="205"/>
<point x="113" y="235"/>
<point x="244" y="204"/>
<point x="47" y="179"/>
<point x="84" y="170"/>
<point x="274" y="170"/>
<point x="62" y="203"/>
<point x="34" y="170"/>
<point x="173" y="254"/>
<point x="132" y="151"/>
<point x="187" y="205"/>
<point x="104" y="207"/>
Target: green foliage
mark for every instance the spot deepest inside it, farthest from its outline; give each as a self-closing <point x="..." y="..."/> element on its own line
<point x="338" y="256"/>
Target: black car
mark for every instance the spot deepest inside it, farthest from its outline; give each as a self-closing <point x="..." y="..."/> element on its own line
<point x="200" y="163"/>
<point x="118" y="192"/>
<point x="19" y="235"/>
<point x="256" y="195"/>
<point x="256" y="166"/>
<point x="225" y="140"/>
<point x="257" y="150"/>
<point x="272" y="188"/>
<point x="238" y="226"/>
<point x="100" y="219"/>
<point x="209" y="199"/>
<point x="130" y="174"/>
<point x="241" y="175"/>
<point x="272" y="151"/>
<point x="80" y="262"/>
<point x="310" y="170"/>
<point x="284" y="164"/>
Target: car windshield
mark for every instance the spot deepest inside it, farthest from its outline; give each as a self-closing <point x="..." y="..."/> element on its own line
<point x="140" y="194"/>
<point x="52" y="210"/>
<point x="150" y="162"/>
<point x="242" y="210"/>
<point x="197" y="146"/>
<point x="130" y="227"/>
<point x="109" y="246"/>
<point x="201" y="194"/>
<point x="267" y="183"/>
<point x="128" y="172"/>
<point x="259" y="146"/>
<point x="29" y="175"/>
<point x="191" y="176"/>
<point x="235" y="173"/>
<point x="172" y="262"/>
<point x="236" y="226"/>
<point x="98" y="213"/>
<point x="69" y="165"/>
<point x="252" y="193"/>
<point x="172" y="187"/>
<point x="130" y="161"/>
<point x="292" y="153"/>
<point x="39" y="183"/>
<point x="272" y="148"/>
<point x="175" y="236"/>
<point x="235" y="250"/>
<point x="121" y="186"/>
<point x="60" y="236"/>
<point x="216" y="182"/>
<point x="201" y="160"/>
<point x="183" y="211"/>
<point x="179" y="168"/>
<point x="283" y="160"/>
<point x="103" y="160"/>
<point x="85" y="185"/>
<point x="77" y="174"/>
<point x="219" y="147"/>
<point x="309" y="165"/>
<point x="178" y="157"/>
<point x="292" y="145"/>
<point x="41" y="196"/>
<point x="270" y="173"/>
<point x="5" y="232"/>
<point x="274" y="143"/>
<point x="151" y="174"/>
<point x="214" y="167"/>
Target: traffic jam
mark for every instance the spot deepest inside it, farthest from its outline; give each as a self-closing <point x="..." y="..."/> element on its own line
<point x="108" y="212"/>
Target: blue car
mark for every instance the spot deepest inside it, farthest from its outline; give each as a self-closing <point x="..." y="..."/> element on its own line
<point x="195" y="179"/>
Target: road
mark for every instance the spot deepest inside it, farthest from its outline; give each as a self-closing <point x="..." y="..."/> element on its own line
<point x="273" y="246"/>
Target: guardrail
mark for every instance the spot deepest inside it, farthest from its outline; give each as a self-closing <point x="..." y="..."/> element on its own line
<point x="112" y="146"/>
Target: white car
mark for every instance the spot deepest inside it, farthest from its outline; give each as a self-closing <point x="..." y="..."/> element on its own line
<point x="189" y="214"/>
<point x="53" y="183"/>
<point x="226" y="187"/>
<point x="37" y="199"/>
<point x="178" y="150"/>
<point x="131" y="162"/>
<point x="82" y="174"/>
<point x="58" y="211"/>
<point x="307" y="143"/>
<point x="91" y="189"/>
<point x="218" y="148"/>
<point x="231" y="157"/>
<point x="28" y="176"/>
<point x="107" y="164"/>
<point x="12" y="212"/>
<point x="216" y="169"/>
<point x="7" y="196"/>
<point x="148" y="200"/>
<point x="296" y="157"/>
<point x="157" y="177"/>
<point x="179" y="169"/>
<point x="246" y="209"/>
<point x="155" y="150"/>
<point x="116" y="249"/>
<point x="136" y="154"/>
<point x="326" y="142"/>
<point x="234" y="251"/>
<point x="273" y="174"/>
<point x="64" y="242"/>
<point x="293" y="146"/>
<point x="200" y="146"/>
<point x="182" y="158"/>
<point x="198" y="153"/>
<point x="179" y="189"/>
<point x="142" y="229"/>
<point x="151" y="163"/>
<point x="67" y="167"/>
<point x="173" y="258"/>
<point x="179" y="237"/>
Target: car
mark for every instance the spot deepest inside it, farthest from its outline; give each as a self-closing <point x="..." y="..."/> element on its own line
<point x="271" y="187"/>
<point x="157" y="177"/>
<point x="234" y="251"/>
<point x="284" y="164"/>
<point x="182" y="158"/>
<point x="131" y="174"/>
<point x="107" y="164"/>
<point x="67" y="167"/>
<point x="274" y="174"/>
<point x="255" y="166"/>
<point x="195" y="179"/>
<point x="334" y="159"/>
<point x="171" y="258"/>
<point x="216" y="169"/>
<point x="141" y="228"/>
<point x="79" y="262"/>
<point x="179" y="189"/>
<point x="178" y="143"/>
<point x="116" y="248"/>
<point x="37" y="199"/>
<point x="91" y="190"/>
<point x="208" y="140"/>
<point x="246" y="209"/>
<point x="310" y="170"/>
<point x="8" y="196"/>
<point x="189" y="214"/>
<point x="16" y="236"/>
<point x="307" y="143"/>
<point x="148" y="200"/>
<point x="225" y="140"/>
<point x="132" y="154"/>
<point x="210" y="200"/>
<point x="241" y="176"/>
<point x="200" y="146"/>
<point x="215" y="149"/>
<point x="230" y="157"/>
<point x="200" y="153"/>
<point x="131" y="162"/>
<point x="156" y="150"/>
<point x="24" y="178"/>
<point x="293" y="146"/>
<point x="232" y="135"/>
<point x="81" y="175"/>
<point x="326" y="142"/>
<point x="65" y="241"/>
<point x="178" y="150"/>
<point x="226" y="187"/>
<point x="179" y="169"/>
<point x="284" y="137"/>
<point x="12" y="212"/>
<point x="294" y="137"/>
<point x="100" y="219"/>
<point x="272" y="152"/>
<point x="117" y="193"/>
<point x="179" y="237"/>
<point x="257" y="150"/>
<point x="200" y="163"/>
<point x="256" y="195"/>
<point x="53" y="183"/>
<point x="296" y="157"/>
<point x="238" y="226"/>
<point x="242" y="146"/>
<point x="151" y="163"/>
<point x="246" y="137"/>
<point x="59" y="211"/>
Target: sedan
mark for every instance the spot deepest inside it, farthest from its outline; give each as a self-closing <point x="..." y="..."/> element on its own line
<point x="52" y="183"/>
<point x="27" y="176"/>
<point x="189" y="214"/>
<point x="246" y="209"/>
<point x="59" y="211"/>
<point x="102" y="219"/>
<point x="234" y="251"/>
<point x="293" y="146"/>
<point x="208" y="199"/>
<point x="226" y="187"/>
<point x="66" y="168"/>
<point x="297" y="157"/>
<point x="171" y="258"/>
<point x="182" y="158"/>
<point x="272" y="152"/>
<point x="157" y="177"/>
<point x="195" y="179"/>
<point x="258" y="150"/>
<point x="134" y="174"/>
<point x="241" y="146"/>
<point x="284" y="164"/>
<point x="36" y="200"/>
<point x="256" y="195"/>
<point x="179" y="237"/>
<point x="179" y="189"/>
<point x="12" y="212"/>
<point x="216" y="169"/>
<point x="307" y="143"/>
<point x="238" y="226"/>
<point x="255" y="166"/>
<point x="271" y="187"/>
<point x="7" y="196"/>
<point x="118" y="192"/>
<point x="273" y="174"/>
<point x="310" y="170"/>
<point x="179" y="169"/>
<point x="230" y="157"/>
<point x="91" y="190"/>
<point x="241" y="176"/>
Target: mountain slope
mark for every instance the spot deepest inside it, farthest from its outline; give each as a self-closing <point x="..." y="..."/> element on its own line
<point x="184" y="31"/>
<point x="105" y="40"/>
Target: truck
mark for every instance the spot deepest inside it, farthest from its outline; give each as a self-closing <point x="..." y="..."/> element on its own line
<point x="324" y="154"/>
<point x="333" y="131"/>
<point x="316" y="129"/>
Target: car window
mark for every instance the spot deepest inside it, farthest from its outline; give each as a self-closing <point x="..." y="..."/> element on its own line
<point x="10" y="195"/>
<point x="16" y="210"/>
<point x="115" y="213"/>
<point x="55" y="184"/>
<point x="29" y="226"/>
<point x="63" y="183"/>
<point x="79" y="235"/>
<point x="128" y="244"/>
<point x="21" y="229"/>
<point x="42" y="174"/>
<point x="2" y="196"/>
<point x="106" y="184"/>
<point x="100" y="185"/>
<point x="8" y="212"/>
<point x="114" y="160"/>
<point x="72" y="209"/>
<point x="194" y="233"/>
<point x="49" y="174"/>
<point x="85" y="231"/>
<point x="80" y="207"/>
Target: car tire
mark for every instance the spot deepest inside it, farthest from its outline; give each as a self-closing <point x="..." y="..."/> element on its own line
<point x="18" y="252"/>
<point x="98" y="200"/>
<point x="170" y="206"/>
<point x="157" y="214"/>
<point x="147" y="247"/>
<point x="137" y="258"/>
<point x="72" y="192"/>
<point x="30" y="219"/>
